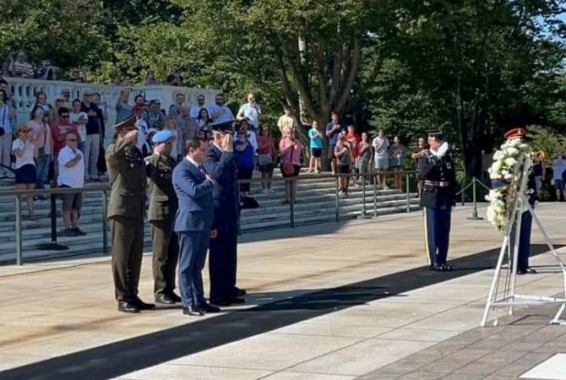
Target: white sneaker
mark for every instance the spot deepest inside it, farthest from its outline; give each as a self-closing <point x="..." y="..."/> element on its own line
<point x="265" y="191"/>
<point x="385" y="187"/>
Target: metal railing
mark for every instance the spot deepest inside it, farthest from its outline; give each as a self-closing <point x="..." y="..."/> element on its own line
<point x="17" y="195"/>
<point x="473" y="184"/>
<point x="368" y="181"/>
<point x="104" y="189"/>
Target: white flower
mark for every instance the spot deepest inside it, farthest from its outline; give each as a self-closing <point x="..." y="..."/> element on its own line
<point x="498" y="155"/>
<point x="510" y="161"/>
<point x="505" y="167"/>
<point x="496" y="167"/>
<point x="491" y="214"/>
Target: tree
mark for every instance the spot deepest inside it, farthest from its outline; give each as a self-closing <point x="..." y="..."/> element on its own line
<point x="477" y="62"/>
<point x="68" y="32"/>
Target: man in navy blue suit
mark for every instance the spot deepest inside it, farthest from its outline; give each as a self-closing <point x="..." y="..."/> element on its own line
<point x="193" y="225"/>
<point x="220" y="163"/>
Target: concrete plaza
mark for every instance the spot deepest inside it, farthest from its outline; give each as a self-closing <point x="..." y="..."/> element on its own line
<point x="330" y="301"/>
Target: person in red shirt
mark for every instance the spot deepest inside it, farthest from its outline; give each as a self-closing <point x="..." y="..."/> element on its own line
<point x="60" y="131"/>
<point x="354" y="140"/>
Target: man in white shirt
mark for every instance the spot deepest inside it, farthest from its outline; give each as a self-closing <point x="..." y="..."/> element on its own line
<point x="71" y="175"/>
<point x="251" y="111"/>
<point x="381" y="159"/>
<point x="219" y="113"/>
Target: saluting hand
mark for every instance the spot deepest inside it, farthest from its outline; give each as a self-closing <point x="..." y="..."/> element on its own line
<point x="132" y="135"/>
<point x="227" y="143"/>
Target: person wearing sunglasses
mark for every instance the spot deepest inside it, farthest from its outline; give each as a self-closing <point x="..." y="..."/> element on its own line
<point x="25" y="151"/>
<point x="71" y="175"/>
<point x="59" y="133"/>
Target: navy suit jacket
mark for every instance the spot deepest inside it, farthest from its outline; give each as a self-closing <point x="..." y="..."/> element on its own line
<point x="194" y="192"/>
<point x="222" y="167"/>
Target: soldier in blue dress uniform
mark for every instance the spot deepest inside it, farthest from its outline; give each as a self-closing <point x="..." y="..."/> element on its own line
<point x="220" y="164"/>
<point x="438" y="198"/>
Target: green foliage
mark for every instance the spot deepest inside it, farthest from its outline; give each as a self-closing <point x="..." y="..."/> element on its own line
<point x="69" y="32"/>
<point x="547" y="141"/>
<point x="470" y="68"/>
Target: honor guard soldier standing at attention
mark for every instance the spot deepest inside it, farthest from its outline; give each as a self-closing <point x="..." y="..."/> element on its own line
<point x="163" y="205"/>
<point x="526" y="217"/>
<point x="126" y="211"/>
<point x="220" y="164"/>
<point x="439" y="181"/>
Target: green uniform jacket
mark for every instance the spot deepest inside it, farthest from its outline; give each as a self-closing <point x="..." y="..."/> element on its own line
<point x="163" y="202"/>
<point x="126" y="168"/>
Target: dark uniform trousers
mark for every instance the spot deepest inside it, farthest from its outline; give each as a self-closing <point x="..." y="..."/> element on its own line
<point x="165" y="256"/>
<point x="524" y="241"/>
<point x="437" y="199"/>
<point x="223" y="259"/>
<point x="127" y="252"/>
<point x="437" y="227"/>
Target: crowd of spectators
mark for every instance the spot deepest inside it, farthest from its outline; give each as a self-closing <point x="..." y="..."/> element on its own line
<point x="80" y="125"/>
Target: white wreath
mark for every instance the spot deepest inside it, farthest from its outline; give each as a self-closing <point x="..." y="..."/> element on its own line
<point x="502" y="173"/>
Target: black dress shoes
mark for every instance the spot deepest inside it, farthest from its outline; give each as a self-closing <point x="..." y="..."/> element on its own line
<point x="165" y="299"/>
<point x="142" y="305"/>
<point x="440" y="268"/>
<point x="526" y="271"/>
<point x="174" y="297"/>
<point x="447" y="267"/>
<point x="209" y="308"/>
<point x="436" y="268"/>
<point x="240" y="292"/>
<point x="193" y="310"/>
<point x="127" y="307"/>
<point x="227" y="301"/>
<point x="237" y="300"/>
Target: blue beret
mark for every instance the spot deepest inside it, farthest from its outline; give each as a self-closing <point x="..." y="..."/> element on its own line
<point x="162" y="136"/>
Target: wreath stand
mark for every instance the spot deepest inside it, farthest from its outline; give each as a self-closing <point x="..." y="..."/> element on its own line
<point x="506" y="295"/>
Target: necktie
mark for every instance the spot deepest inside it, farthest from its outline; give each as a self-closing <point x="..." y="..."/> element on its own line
<point x="201" y="170"/>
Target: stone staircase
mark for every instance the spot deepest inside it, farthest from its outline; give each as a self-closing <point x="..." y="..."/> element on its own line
<point x="316" y="203"/>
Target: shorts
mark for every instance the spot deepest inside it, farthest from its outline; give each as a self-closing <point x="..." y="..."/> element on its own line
<point x="331" y="148"/>
<point x="559" y="184"/>
<point x="316" y="152"/>
<point x="381" y="163"/>
<point x="72" y="201"/>
<point x="295" y="174"/>
<point x="26" y="174"/>
<point x="268" y="168"/>
<point x="344" y="169"/>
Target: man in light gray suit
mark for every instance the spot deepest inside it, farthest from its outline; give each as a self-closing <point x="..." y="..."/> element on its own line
<point x="193" y="225"/>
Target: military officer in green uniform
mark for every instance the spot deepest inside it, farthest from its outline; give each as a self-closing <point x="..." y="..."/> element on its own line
<point x="126" y="212"/>
<point x="162" y="208"/>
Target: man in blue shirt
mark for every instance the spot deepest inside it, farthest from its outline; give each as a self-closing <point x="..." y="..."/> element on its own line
<point x="333" y="130"/>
